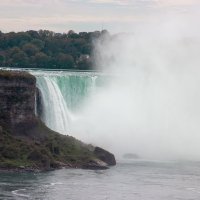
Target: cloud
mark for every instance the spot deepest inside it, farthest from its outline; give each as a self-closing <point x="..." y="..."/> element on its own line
<point x="90" y="14"/>
<point x="167" y="3"/>
<point x="117" y="2"/>
<point x="164" y="3"/>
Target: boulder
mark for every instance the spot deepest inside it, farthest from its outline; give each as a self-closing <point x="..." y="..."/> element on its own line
<point x="105" y="156"/>
<point x="95" y="164"/>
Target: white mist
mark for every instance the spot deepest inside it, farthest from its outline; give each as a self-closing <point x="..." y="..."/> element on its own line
<point x="152" y="105"/>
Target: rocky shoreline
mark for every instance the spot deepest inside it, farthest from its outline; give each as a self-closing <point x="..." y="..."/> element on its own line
<point x="94" y="164"/>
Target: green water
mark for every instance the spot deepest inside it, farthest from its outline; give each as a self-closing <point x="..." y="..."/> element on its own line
<point x="75" y="87"/>
<point x="64" y="94"/>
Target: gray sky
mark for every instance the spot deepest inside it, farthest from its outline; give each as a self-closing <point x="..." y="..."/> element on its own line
<point x="89" y="15"/>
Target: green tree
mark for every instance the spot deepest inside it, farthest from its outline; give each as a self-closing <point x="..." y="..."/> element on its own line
<point x="84" y="62"/>
<point x="65" y="61"/>
<point x="47" y="49"/>
<point x="46" y="34"/>
<point x="2" y="60"/>
<point x="72" y="34"/>
<point x="30" y="49"/>
<point x="13" y="51"/>
<point x="20" y="59"/>
<point x="41" y="59"/>
<point x="34" y="34"/>
<point x="38" y="43"/>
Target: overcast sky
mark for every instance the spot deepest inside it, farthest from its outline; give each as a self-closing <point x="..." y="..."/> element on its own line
<point x="88" y="15"/>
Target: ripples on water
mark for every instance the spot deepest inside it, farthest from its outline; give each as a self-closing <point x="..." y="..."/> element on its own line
<point x="138" y="180"/>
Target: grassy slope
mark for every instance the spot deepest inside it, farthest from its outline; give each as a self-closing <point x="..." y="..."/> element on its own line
<point x="46" y="150"/>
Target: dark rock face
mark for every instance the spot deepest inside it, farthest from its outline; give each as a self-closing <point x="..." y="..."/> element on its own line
<point x="95" y="165"/>
<point x="17" y="97"/>
<point x="105" y="156"/>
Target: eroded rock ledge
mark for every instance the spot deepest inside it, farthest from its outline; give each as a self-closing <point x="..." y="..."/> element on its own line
<point x="26" y="144"/>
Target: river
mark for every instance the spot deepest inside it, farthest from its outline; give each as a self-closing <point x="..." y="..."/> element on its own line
<point x="136" y="179"/>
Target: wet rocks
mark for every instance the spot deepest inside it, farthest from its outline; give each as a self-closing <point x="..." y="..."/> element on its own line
<point x="105" y="156"/>
<point x="95" y="164"/>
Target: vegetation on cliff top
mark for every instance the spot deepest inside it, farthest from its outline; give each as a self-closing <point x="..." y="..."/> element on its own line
<point x="46" y="49"/>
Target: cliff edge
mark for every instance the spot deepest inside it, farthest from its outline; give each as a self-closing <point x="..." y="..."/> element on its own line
<point x="26" y="144"/>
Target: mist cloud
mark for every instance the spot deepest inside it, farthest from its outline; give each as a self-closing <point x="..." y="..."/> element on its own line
<point x="151" y="106"/>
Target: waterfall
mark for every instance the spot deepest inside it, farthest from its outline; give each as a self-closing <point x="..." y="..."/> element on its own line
<point x="62" y="94"/>
<point x="56" y="114"/>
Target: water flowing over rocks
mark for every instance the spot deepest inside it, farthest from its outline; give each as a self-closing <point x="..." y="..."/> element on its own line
<point x="26" y="144"/>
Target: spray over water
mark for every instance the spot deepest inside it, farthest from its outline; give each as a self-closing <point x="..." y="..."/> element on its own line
<point x="151" y="106"/>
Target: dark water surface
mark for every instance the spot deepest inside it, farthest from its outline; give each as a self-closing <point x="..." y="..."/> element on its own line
<point x="137" y="180"/>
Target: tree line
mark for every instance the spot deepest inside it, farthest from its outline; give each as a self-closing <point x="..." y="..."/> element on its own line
<point x="47" y="49"/>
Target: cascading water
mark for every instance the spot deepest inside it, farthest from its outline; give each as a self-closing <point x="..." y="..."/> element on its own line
<point x="56" y="114"/>
<point x="62" y="94"/>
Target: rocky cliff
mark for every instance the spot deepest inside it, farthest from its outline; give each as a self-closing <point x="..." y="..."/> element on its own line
<point x="17" y="97"/>
<point x="26" y="143"/>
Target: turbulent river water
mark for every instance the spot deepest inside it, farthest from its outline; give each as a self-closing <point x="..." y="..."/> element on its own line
<point x="137" y="180"/>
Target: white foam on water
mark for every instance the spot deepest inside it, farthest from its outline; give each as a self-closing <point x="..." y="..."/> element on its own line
<point x="18" y="193"/>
